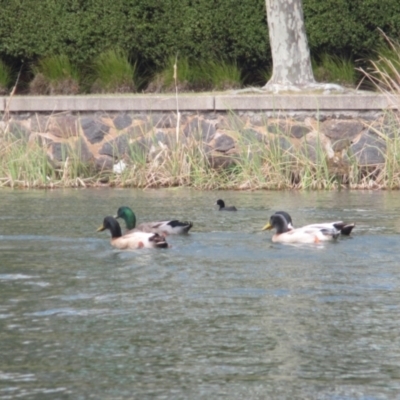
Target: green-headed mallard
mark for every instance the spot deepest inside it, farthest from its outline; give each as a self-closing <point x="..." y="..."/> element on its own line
<point x="222" y="207"/>
<point x="164" y="228"/>
<point x="284" y="234"/>
<point x="343" y="227"/>
<point x="134" y="240"/>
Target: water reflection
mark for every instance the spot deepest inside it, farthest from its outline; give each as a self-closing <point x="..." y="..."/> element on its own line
<point x="222" y="313"/>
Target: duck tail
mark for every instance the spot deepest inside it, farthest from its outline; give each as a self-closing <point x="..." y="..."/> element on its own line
<point x="345" y="229"/>
<point x="187" y="226"/>
<point x="184" y="226"/>
<point x="159" y="241"/>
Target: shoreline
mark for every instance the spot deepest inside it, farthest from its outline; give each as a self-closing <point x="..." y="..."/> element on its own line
<point x="209" y="141"/>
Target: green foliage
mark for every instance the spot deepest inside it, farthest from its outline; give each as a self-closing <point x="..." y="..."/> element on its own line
<point x="155" y="30"/>
<point x="5" y="77"/>
<point x="55" y="75"/>
<point x="334" y="69"/>
<point x="56" y="68"/>
<point x="196" y="75"/>
<point x="384" y="70"/>
<point x="113" y="73"/>
<point x="387" y="66"/>
<point x="223" y="75"/>
<point x="348" y="27"/>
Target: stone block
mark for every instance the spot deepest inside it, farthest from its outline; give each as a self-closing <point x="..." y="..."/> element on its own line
<point x="298" y="131"/>
<point x="369" y="150"/>
<point x="197" y="126"/>
<point x="250" y="136"/>
<point x="223" y="143"/>
<point x="19" y="131"/>
<point x="163" y="121"/>
<point x="122" y="121"/>
<point x="94" y="129"/>
<point x="104" y="163"/>
<point x="59" y="152"/>
<point x="337" y="129"/>
<point x="63" y="127"/>
<point x="82" y="151"/>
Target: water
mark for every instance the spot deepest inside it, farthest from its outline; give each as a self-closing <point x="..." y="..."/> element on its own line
<point x="223" y="313"/>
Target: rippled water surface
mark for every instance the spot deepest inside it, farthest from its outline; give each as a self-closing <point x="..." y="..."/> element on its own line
<point x="223" y="313"/>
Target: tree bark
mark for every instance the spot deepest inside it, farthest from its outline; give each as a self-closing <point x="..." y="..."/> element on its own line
<point x="290" y="52"/>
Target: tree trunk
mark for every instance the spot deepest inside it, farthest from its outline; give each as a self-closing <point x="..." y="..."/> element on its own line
<point x="289" y="46"/>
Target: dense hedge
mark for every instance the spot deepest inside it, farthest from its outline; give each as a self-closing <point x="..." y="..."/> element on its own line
<point x="350" y="27"/>
<point x="152" y="30"/>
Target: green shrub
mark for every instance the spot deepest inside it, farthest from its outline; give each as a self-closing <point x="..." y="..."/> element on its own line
<point x="349" y="28"/>
<point x="154" y="30"/>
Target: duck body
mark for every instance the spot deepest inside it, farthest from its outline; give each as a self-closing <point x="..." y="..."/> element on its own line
<point x="164" y="228"/>
<point x="222" y="206"/>
<point x="307" y="234"/>
<point x="343" y="227"/>
<point x="133" y="240"/>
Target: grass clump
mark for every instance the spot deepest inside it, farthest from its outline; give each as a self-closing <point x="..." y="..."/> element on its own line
<point x="113" y="73"/>
<point x="384" y="70"/>
<point x="275" y="163"/>
<point x="26" y="163"/>
<point x="55" y="75"/>
<point x="334" y="69"/>
<point x="196" y="75"/>
<point x="5" y="78"/>
<point x="23" y="164"/>
<point x="253" y="165"/>
<point x="384" y="74"/>
<point x="162" y="165"/>
<point x="223" y="75"/>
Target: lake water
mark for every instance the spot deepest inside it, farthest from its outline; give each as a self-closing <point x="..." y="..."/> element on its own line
<point x="223" y="313"/>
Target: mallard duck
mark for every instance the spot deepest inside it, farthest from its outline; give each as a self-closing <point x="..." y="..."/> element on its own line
<point x="134" y="240"/>
<point x="164" y="228"/>
<point x="343" y="227"/>
<point x="284" y="234"/>
<point x="222" y="207"/>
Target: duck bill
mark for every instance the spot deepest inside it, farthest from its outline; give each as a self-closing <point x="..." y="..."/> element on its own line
<point x="100" y="228"/>
<point x="267" y="227"/>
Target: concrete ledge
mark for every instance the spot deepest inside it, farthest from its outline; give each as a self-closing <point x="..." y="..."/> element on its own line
<point x="109" y="103"/>
<point x="346" y="102"/>
<point x="201" y="102"/>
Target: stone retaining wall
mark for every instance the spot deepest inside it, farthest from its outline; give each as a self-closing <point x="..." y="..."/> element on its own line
<point x="103" y="129"/>
<point x="103" y="139"/>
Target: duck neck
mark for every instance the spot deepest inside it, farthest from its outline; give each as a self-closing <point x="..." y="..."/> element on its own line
<point x="280" y="224"/>
<point x="130" y="219"/>
<point x="282" y="229"/>
<point x="115" y="230"/>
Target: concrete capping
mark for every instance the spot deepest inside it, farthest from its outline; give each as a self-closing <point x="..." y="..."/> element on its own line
<point x="335" y="102"/>
<point x="110" y="103"/>
<point x="202" y="102"/>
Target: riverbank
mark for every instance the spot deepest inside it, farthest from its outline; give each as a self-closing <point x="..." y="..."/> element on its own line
<point x="207" y="141"/>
